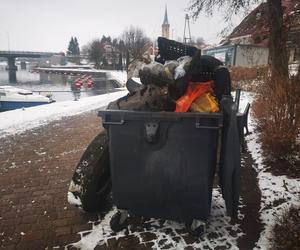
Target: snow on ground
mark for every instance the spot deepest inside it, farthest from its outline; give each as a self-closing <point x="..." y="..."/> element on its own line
<point x="278" y="192"/>
<point x="293" y="69"/>
<point x="72" y="65"/>
<point x="219" y="232"/>
<point x="20" y="120"/>
<point x="120" y="76"/>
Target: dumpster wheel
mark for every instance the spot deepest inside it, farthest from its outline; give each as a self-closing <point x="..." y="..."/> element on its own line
<point x="119" y="220"/>
<point x="195" y="228"/>
<point x="92" y="175"/>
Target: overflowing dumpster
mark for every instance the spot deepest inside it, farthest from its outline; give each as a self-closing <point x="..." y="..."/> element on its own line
<point x="159" y="160"/>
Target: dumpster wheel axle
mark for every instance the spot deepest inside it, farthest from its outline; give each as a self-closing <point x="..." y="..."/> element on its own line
<point x="195" y="227"/>
<point x="119" y="220"/>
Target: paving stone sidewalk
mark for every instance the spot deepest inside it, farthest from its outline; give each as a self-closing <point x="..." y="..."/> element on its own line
<point x="35" y="171"/>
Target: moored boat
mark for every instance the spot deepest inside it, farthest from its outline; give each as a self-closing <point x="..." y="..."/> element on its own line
<point x="15" y="98"/>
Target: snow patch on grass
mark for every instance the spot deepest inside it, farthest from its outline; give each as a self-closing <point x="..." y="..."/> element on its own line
<point x="278" y="192"/>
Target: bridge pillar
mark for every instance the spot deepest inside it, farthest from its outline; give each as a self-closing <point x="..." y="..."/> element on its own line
<point x="23" y="65"/>
<point x="11" y="68"/>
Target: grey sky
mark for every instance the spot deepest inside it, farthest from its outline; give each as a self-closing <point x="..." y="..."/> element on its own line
<point x="47" y="25"/>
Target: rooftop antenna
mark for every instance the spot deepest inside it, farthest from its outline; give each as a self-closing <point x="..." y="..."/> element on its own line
<point x="187" y="33"/>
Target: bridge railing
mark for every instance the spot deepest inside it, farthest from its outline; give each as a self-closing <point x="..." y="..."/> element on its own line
<point x="11" y="52"/>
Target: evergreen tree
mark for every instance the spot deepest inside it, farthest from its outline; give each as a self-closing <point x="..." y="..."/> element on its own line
<point x="76" y="47"/>
<point x="73" y="48"/>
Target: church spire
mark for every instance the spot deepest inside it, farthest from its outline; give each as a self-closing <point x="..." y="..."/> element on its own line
<point x="166" y="16"/>
<point x="165" y="26"/>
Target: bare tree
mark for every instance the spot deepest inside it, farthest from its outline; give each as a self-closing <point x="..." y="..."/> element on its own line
<point x="278" y="52"/>
<point x="136" y="43"/>
<point x="85" y="49"/>
<point x="228" y="7"/>
<point x="200" y="40"/>
<point x="96" y="52"/>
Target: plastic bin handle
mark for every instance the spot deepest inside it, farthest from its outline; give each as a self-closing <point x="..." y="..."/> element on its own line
<point x="214" y="124"/>
<point x="121" y="122"/>
<point x="206" y="127"/>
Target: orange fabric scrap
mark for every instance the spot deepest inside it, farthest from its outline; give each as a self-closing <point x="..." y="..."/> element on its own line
<point x="193" y="91"/>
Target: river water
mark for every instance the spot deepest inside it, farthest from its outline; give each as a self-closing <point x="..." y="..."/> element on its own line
<point x="57" y="85"/>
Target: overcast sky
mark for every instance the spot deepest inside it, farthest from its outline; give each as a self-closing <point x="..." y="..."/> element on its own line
<point x="47" y="25"/>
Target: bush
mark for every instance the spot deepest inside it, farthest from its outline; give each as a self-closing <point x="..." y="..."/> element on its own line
<point x="286" y="232"/>
<point x="277" y="109"/>
<point x="247" y="78"/>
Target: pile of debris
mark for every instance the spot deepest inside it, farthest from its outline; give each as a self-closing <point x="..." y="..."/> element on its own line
<point x="177" y="83"/>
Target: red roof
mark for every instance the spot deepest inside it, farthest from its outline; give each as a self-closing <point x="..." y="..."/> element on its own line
<point x="256" y="23"/>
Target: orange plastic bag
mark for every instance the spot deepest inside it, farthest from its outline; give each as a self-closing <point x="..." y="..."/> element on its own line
<point x="205" y="103"/>
<point x="193" y="91"/>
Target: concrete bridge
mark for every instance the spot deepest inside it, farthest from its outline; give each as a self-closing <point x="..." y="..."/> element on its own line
<point x="11" y="60"/>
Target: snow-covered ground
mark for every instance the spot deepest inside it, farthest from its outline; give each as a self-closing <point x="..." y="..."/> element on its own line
<point x="293" y="68"/>
<point x="274" y="189"/>
<point x="224" y="234"/>
<point x="219" y="231"/>
<point x="20" y="120"/>
<point x="120" y="76"/>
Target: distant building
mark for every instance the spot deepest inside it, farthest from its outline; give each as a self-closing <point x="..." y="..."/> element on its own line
<point x="111" y="56"/>
<point x="165" y="28"/>
<point x="243" y="55"/>
<point x="58" y="60"/>
<point x="247" y="45"/>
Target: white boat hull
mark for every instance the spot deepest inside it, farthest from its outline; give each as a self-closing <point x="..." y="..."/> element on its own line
<point x="14" y="98"/>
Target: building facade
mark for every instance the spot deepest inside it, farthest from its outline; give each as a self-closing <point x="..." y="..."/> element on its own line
<point x="247" y="45"/>
<point x="241" y="55"/>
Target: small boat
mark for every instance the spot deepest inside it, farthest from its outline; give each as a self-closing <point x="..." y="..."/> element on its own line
<point x="15" y="98"/>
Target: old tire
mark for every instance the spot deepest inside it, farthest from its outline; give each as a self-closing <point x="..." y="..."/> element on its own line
<point x="91" y="182"/>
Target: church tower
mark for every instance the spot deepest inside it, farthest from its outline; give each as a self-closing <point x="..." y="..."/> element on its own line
<point x="165" y="28"/>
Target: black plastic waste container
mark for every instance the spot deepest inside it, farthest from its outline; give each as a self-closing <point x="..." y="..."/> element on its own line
<point x="163" y="163"/>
